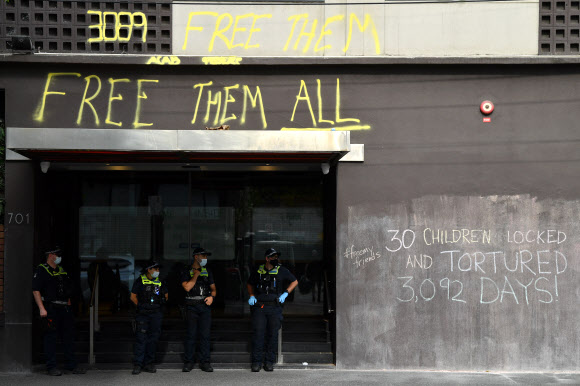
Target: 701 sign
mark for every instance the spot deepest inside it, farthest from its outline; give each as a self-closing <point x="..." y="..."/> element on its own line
<point x="18" y="218"/>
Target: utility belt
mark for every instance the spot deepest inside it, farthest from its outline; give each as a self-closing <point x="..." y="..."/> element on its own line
<point x="260" y="304"/>
<point x="194" y="300"/>
<point x="58" y="304"/>
<point x="148" y="311"/>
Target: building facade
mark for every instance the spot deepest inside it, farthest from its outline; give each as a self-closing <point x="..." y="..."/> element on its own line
<point x="416" y="163"/>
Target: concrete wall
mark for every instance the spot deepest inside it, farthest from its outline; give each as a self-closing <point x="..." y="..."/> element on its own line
<point x="450" y="29"/>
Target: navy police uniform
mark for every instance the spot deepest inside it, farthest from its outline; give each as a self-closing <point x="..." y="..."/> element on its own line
<point x="150" y="298"/>
<point x="198" y="316"/>
<point x="267" y="312"/>
<point x="56" y="287"/>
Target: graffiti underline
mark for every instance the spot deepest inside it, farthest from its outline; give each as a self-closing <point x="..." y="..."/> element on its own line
<point x="344" y="128"/>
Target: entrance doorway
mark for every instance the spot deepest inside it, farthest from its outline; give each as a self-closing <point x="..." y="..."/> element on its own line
<point x="119" y="220"/>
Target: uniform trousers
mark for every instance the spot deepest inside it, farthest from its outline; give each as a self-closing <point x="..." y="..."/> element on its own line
<point x="266" y="321"/>
<point x="198" y="321"/>
<point x="60" y="324"/>
<point x="147" y="332"/>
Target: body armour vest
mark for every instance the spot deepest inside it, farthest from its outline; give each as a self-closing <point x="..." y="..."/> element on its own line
<point x="61" y="281"/>
<point x="267" y="284"/>
<point x="201" y="287"/>
<point x="151" y="296"/>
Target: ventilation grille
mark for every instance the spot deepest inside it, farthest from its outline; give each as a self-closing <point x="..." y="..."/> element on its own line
<point x="559" y="27"/>
<point x="72" y="26"/>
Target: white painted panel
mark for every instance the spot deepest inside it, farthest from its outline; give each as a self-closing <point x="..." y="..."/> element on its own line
<point x="462" y="29"/>
<point x="507" y="28"/>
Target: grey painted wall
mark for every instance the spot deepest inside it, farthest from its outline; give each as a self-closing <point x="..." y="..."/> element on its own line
<point x="430" y="162"/>
<point x="436" y="166"/>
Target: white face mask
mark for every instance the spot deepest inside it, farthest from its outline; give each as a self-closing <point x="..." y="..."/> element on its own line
<point x="203" y="262"/>
<point x="155" y="274"/>
<point x="57" y="260"/>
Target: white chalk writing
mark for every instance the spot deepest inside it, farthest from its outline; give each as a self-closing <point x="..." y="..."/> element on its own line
<point x="361" y="257"/>
<point x="526" y="270"/>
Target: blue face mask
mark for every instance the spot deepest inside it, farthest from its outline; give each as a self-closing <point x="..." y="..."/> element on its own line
<point x="155" y="274"/>
<point x="203" y="262"/>
<point x="57" y="260"/>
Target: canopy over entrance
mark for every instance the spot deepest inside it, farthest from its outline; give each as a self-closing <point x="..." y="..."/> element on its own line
<point x="181" y="146"/>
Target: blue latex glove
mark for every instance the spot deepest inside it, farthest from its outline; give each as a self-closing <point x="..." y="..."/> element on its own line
<point x="283" y="297"/>
<point x="252" y="300"/>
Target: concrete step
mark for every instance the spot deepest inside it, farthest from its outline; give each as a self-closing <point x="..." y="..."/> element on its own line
<point x="225" y="347"/>
<point x="216" y="357"/>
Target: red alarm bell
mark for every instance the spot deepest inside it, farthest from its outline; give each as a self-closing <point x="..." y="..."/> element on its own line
<point x="486" y="107"/>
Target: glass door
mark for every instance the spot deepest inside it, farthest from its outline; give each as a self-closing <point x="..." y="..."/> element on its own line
<point x="238" y="216"/>
<point x="127" y="219"/>
<point x="124" y="221"/>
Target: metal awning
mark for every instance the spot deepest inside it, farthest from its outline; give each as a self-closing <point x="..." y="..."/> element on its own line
<point x="167" y="146"/>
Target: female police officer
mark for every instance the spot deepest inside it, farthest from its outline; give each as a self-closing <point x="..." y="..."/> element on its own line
<point x="148" y="294"/>
<point x="268" y="289"/>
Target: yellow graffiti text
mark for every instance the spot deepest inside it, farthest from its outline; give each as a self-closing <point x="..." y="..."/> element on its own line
<point x="337" y="109"/>
<point x="362" y="27"/>
<point x="141" y="95"/>
<point x="112" y="98"/>
<point x="304" y="97"/>
<point x="88" y="100"/>
<point x="309" y="31"/>
<point x="254" y="101"/>
<point x="213" y="101"/>
<point x="237" y="104"/>
<point x="162" y="60"/>
<point x="227" y="29"/>
<point x="228" y="99"/>
<point x="342" y="128"/>
<point x="39" y="113"/>
<point x="117" y="26"/>
<point x="303" y="31"/>
<point x="221" y="60"/>
<point x="91" y="90"/>
<point x="216" y="101"/>
<point x="326" y="32"/>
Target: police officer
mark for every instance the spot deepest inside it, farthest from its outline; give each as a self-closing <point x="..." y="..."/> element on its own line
<point x="148" y="294"/>
<point x="201" y="292"/>
<point x="52" y="289"/>
<point x="268" y="288"/>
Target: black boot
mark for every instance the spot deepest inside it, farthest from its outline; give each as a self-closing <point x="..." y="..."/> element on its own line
<point x="54" y="372"/>
<point x="256" y="367"/>
<point x="206" y="367"/>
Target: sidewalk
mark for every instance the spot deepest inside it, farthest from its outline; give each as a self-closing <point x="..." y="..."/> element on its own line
<point x="291" y="377"/>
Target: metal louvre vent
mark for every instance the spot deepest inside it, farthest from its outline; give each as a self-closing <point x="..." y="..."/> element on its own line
<point x="88" y="26"/>
<point x="559" y="27"/>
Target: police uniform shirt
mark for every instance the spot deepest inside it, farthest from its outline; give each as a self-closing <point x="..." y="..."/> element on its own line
<point x="186" y="276"/>
<point x="138" y="288"/>
<point x="52" y="286"/>
<point x="283" y="279"/>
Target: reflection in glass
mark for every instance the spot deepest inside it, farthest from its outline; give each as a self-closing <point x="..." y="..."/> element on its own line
<point x="123" y="224"/>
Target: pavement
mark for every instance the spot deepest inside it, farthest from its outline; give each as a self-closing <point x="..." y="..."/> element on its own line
<point x="280" y="377"/>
